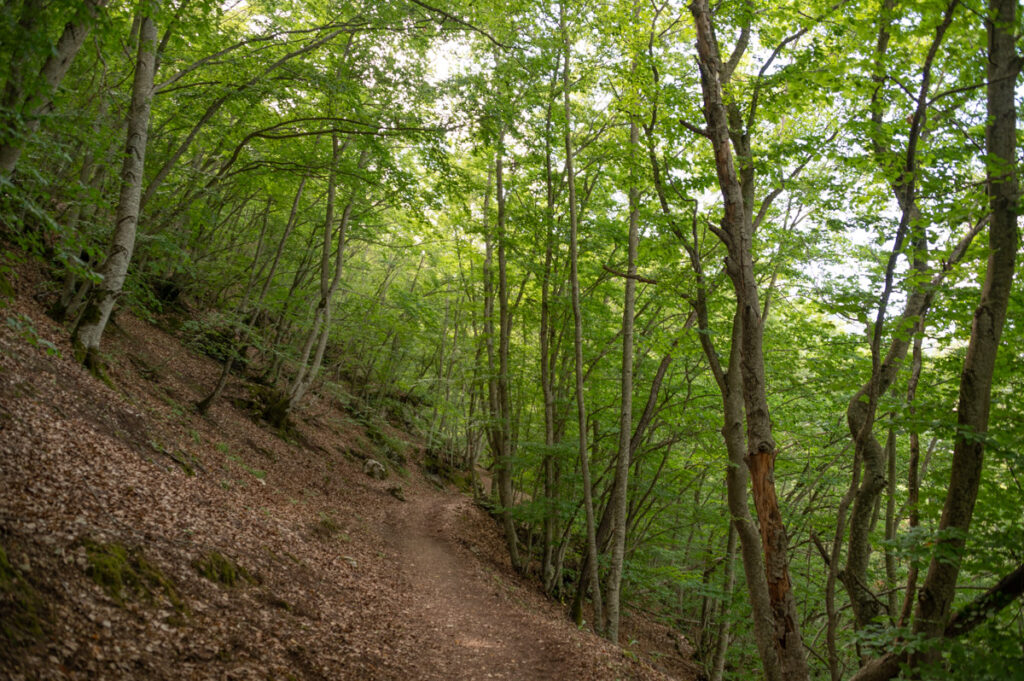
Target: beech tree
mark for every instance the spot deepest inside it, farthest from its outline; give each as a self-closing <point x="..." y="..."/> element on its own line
<point x="94" y="317"/>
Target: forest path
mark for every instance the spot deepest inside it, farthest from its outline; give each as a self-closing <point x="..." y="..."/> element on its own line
<point x="458" y="606"/>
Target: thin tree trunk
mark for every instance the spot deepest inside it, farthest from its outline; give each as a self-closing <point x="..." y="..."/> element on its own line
<point x="581" y="410"/>
<point x="722" y="640"/>
<point x="890" y="518"/>
<point x="546" y="360"/>
<point x="620" y="490"/>
<point x="913" y="479"/>
<point x="504" y="407"/>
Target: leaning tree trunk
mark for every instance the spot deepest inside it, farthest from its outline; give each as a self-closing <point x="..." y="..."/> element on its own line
<point x="934" y="601"/>
<point x="93" y="321"/>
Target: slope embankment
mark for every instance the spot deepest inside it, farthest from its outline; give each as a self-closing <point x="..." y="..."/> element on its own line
<point x="140" y="540"/>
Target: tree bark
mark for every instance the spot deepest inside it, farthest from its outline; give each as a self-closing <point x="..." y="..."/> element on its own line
<point x="89" y="330"/>
<point x="620" y="489"/>
<point x="574" y="276"/>
<point x="760" y="448"/>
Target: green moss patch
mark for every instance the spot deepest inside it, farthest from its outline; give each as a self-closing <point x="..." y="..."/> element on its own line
<point x="217" y="567"/>
<point x="326" y="528"/>
<point x="22" y="612"/>
<point x="126" y="574"/>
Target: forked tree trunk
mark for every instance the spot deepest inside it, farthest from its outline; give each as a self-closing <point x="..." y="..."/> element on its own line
<point x="760" y="448"/>
<point x="936" y="597"/>
<point x="934" y="601"/>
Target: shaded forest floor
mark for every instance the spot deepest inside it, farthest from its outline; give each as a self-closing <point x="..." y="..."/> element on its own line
<point x="140" y="540"/>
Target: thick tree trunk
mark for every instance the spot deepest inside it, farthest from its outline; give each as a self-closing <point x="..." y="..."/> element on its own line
<point x="93" y="321"/>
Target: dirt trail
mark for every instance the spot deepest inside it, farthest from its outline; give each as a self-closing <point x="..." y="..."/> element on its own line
<point x="458" y="607"/>
<point x="112" y="497"/>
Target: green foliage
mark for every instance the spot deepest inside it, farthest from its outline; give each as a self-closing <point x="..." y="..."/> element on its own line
<point x="23" y="325"/>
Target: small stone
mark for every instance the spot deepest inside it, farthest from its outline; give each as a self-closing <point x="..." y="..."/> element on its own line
<point x="375" y="469"/>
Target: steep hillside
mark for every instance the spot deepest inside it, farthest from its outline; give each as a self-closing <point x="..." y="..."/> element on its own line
<point x="140" y="540"/>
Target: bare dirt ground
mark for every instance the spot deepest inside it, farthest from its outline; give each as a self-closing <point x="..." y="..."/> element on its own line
<point x="472" y="615"/>
<point x="121" y="511"/>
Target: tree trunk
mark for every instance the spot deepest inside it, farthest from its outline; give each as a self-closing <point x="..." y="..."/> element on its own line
<point x="574" y="276"/>
<point x="913" y="480"/>
<point x="203" y="405"/>
<point x="760" y="449"/>
<point x="722" y="640"/>
<point x="93" y="321"/>
<point x="504" y="407"/>
<point x="621" y="487"/>
<point x="931" y="618"/>
<point x="936" y="597"/>
<point x="546" y="354"/>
